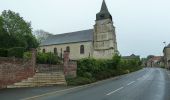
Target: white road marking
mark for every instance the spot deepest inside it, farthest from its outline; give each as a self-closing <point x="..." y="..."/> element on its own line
<point x="130" y="83"/>
<point x="139" y="79"/>
<point x="115" y="91"/>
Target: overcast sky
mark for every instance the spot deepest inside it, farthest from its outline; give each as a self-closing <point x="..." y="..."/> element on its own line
<point x="141" y="25"/>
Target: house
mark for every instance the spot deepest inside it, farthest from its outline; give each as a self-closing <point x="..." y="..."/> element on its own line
<point x="166" y="52"/>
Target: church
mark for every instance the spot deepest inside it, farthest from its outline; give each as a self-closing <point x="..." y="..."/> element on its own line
<point x="99" y="42"/>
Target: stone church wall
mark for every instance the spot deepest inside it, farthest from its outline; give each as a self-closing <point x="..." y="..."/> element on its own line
<point x="74" y="49"/>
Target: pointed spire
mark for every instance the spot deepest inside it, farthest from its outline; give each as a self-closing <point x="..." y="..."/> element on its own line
<point x="104" y="12"/>
<point x="104" y="7"/>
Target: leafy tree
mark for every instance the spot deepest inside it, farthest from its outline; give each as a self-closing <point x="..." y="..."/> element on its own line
<point x="17" y="32"/>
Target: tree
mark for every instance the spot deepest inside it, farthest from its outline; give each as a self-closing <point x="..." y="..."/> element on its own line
<point x="17" y="32"/>
<point x="41" y="35"/>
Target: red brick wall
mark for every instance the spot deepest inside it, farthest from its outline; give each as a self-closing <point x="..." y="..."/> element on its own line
<point x="70" y="67"/>
<point x="14" y="70"/>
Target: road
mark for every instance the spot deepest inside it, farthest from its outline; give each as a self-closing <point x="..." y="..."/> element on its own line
<point x="146" y="84"/>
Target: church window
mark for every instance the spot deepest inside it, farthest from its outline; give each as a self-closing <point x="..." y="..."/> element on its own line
<point x="82" y="49"/>
<point x="61" y="54"/>
<point x="68" y="49"/>
<point x="102" y="16"/>
<point x="43" y="50"/>
<point x="55" y="50"/>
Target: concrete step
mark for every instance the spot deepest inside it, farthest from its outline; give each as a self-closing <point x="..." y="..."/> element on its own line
<point x="35" y="85"/>
<point x="41" y="79"/>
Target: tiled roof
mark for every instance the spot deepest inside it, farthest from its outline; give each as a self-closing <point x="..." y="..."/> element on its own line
<point x="79" y="36"/>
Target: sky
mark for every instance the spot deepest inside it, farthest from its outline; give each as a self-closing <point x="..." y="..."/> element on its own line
<point x="141" y="25"/>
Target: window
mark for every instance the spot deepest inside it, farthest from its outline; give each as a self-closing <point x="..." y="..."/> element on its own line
<point x="55" y="50"/>
<point x="43" y="51"/>
<point x="61" y="55"/>
<point x="82" y="49"/>
<point x="68" y="49"/>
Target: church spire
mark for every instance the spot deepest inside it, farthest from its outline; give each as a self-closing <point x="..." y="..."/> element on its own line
<point x="104" y="12"/>
<point x="104" y="7"/>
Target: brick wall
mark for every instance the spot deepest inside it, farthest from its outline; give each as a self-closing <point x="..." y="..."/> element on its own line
<point x="70" y="67"/>
<point x="14" y="70"/>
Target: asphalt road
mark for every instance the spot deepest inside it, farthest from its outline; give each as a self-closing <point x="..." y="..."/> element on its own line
<point x="146" y="84"/>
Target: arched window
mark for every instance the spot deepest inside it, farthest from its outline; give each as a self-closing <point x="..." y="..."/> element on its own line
<point x="55" y="50"/>
<point x="61" y="54"/>
<point x="82" y="49"/>
<point x="43" y="51"/>
<point x="68" y="49"/>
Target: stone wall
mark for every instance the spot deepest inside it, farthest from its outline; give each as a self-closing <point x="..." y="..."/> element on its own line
<point x="14" y="70"/>
<point x="74" y="49"/>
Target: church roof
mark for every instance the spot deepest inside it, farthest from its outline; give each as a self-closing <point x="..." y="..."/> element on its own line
<point x="168" y="45"/>
<point x="73" y="37"/>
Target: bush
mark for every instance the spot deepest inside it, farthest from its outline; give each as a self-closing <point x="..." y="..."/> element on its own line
<point x="16" y="52"/>
<point x="90" y="70"/>
<point x="87" y="75"/>
<point x="3" y="52"/>
<point x="47" y="58"/>
<point x="79" y="81"/>
<point x="27" y="55"/>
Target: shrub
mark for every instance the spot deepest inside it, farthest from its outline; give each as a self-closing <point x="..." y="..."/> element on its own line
<point x="3" y="52"/>
<point x="90" y="69"/>
<point x="87" y="75"/>
<point x="27" y="55"/>
<point x="47" y="58"/>
<point x="79" y="81"/>
<point x="16" y="52"/>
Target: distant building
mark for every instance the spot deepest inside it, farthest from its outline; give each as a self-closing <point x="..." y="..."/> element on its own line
<point x="131" y="57"/>
<point x="155" y="61"/>
<point x="99" y="42"/>
<point x="166" y="52"/>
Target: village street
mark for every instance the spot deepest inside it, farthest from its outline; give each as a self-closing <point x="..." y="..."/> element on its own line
<point x="146" y="84"/>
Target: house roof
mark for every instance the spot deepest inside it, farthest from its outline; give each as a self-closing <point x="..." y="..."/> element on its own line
<point x="155" y="58"/>
<point x="72" y="37"/>
<point x="133" y="56"/>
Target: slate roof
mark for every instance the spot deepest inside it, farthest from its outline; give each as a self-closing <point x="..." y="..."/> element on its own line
<point x="168" y="45"/>
<point x="73" y="37"/>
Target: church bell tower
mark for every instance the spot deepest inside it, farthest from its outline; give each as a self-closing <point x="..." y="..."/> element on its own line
<point x="104" y="37"/>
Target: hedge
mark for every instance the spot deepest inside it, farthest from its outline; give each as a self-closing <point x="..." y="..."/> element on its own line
<point x="47" y="58"/>
<point x="3" y="52"/>
<point x="16" y="52"/>
<point x="90" y="69"/>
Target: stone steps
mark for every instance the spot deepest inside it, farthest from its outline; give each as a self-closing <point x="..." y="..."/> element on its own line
<point x="41" y="79"/>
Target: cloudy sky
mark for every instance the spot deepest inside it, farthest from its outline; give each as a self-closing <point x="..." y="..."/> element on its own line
<point x="141" y="25"/>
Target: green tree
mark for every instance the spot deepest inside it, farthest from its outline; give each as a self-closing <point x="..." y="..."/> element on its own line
<point x="18" y="32"/>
